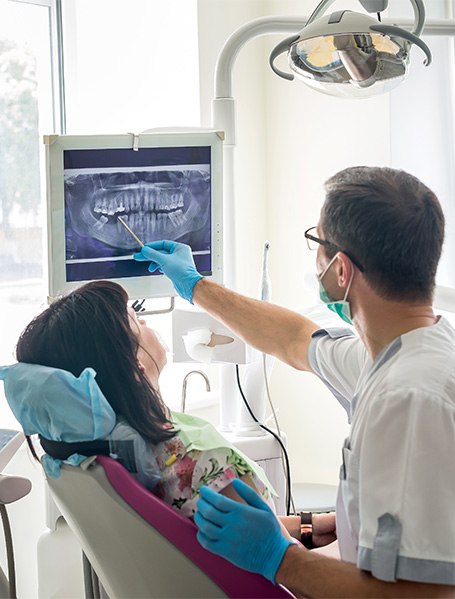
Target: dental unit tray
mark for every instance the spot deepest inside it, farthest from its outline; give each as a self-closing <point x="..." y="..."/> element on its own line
<point x="10" y="441"/>
<point x="164" y="185"/>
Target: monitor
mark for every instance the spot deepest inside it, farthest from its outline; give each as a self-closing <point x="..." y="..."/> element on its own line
<point x="165" y="185"/>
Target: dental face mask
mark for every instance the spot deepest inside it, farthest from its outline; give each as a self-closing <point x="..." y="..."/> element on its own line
<point x="340" y="307"/>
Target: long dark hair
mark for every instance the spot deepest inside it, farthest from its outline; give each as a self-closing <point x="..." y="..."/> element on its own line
<point x="90" y="328"/>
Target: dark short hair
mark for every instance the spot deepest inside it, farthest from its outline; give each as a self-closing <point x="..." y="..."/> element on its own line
<point x="90" y="328"/>
<point x="391" y="223"/>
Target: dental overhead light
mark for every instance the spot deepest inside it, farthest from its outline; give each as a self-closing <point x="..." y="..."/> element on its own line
<point x="350" y="54"/>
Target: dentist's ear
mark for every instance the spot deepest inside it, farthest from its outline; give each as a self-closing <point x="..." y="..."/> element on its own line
<point x="344" y="270"/>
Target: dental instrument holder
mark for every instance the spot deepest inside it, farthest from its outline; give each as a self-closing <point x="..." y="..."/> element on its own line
<point x="192" y="330"/>
<point x="143" y="312"/>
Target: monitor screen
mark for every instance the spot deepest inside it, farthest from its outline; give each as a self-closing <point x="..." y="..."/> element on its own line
<point x="169" y="188"/>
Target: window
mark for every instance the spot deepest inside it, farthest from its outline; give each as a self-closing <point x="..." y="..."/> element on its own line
<point x="26" y="112"/>
<point x="130" y="66"/>
<point x="127" y="67"/>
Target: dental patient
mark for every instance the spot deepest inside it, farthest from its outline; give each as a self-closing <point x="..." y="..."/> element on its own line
<point x="106" y="386"/>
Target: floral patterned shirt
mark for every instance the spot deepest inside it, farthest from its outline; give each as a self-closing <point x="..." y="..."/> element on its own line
<point x="176" y="474"/>
<point x="183" y="475"/>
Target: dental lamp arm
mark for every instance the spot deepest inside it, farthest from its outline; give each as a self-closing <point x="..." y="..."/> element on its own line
<point x="319" y="10"/>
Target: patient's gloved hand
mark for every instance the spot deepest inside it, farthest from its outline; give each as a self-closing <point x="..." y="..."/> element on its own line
<point x="249" y="535"/>
<point x="175" y="260"/>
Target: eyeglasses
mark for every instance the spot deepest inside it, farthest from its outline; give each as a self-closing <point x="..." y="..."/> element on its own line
<point x="313" y="242"/>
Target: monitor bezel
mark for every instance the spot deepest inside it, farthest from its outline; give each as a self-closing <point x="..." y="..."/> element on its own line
<point x="137" y="287"/>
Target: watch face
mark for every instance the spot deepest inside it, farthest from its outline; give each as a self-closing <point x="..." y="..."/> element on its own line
<point x="306" y="518"/>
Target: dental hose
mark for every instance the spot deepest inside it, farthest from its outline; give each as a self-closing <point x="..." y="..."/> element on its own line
<point x="265" y="294"/>
<point x="285" y="453"/>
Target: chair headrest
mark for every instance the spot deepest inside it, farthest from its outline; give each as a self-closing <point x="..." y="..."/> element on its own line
<point x="58" y="406"/>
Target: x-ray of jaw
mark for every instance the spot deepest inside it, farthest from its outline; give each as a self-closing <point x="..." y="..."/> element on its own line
<point x="156" y="204"/>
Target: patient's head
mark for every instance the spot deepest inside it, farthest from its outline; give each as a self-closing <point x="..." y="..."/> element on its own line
<point x="93" y="327"/>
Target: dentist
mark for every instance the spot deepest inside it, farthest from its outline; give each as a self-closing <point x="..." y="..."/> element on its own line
<point x="379" y="241"/>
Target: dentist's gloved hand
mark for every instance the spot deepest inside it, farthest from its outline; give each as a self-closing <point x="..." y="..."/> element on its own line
<point x="175" y="260"/>
<point x="249" y="535"/>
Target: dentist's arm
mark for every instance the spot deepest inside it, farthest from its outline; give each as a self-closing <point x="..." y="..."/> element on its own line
<point x="248" y="535"/>
<point x="267" y="327"/>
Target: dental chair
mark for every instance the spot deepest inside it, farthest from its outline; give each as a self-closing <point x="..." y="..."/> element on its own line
<point x="137" y="546"/>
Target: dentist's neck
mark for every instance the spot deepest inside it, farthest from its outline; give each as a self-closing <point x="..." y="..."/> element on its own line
<point x="379" y="321"/>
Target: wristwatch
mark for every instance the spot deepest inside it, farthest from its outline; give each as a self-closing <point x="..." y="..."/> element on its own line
<point x="306" y="529"/>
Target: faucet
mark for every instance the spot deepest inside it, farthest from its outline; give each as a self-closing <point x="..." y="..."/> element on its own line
<point x="185" y="383"/>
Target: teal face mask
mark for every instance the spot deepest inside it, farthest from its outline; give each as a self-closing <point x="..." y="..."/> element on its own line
<point x="340" y="307"/>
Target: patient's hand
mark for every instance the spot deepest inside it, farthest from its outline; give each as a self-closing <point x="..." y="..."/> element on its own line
<point x="324" y="529"/>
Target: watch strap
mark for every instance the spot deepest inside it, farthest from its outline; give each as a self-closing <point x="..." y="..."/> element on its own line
<point x="306" y="529"/>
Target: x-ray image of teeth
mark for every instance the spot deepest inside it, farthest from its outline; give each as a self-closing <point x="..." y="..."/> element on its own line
<point x="156" y="204"/>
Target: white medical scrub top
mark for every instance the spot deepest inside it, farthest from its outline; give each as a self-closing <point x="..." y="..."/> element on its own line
<point x="396" y="499"/>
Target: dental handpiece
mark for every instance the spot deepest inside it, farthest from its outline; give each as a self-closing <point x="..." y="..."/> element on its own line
<point x="130" y="231"/>
<point x="266" y="285"/>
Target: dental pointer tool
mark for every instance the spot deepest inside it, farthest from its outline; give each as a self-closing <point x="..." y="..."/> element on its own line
<point x="130" y="231"/>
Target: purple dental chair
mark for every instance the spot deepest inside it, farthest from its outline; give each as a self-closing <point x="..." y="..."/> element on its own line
<point x="138" y="546"/>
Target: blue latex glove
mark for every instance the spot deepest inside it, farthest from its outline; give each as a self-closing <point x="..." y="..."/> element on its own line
<point x="175" y="260"/>
<point x="249" y="535"/>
